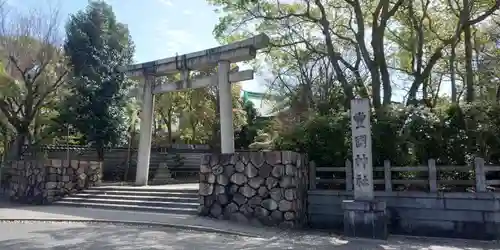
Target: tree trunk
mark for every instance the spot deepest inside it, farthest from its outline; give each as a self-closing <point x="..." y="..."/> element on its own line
<point x="193" y="127"/>
<point x="169" y="127"/>
<point x="155" y="127"/>
<point x="375" y="74"/>
<point x="498" y="95"/>
<point x="333" y="56"/>
<point x="469" y="74"/>
<point x="168" y="119"/>
<point x="5" y="142"/>
<point x="16" y="151"/>
<point x="129" y="154"/>
<point x="453" y="81"/>
<point x="380" y="67"/>
<point x="425" y="88"/>
<point x="100" y="152"/>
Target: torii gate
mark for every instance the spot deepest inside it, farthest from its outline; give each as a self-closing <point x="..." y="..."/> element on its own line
<point x="220" y="56"/>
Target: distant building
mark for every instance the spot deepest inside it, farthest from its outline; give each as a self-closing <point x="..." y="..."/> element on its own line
<point x="265" y="104"/>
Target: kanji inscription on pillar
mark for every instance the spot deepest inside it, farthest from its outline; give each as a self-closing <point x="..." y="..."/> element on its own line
<point x="362" y="149"/>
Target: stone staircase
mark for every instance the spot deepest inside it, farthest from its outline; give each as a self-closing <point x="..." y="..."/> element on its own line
<point x="166" y="169"/>
<point x="190" y="164"/>
<point x="176" y="200"/>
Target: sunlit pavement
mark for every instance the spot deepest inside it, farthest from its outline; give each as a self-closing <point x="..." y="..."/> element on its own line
<point x="98" y="236"/>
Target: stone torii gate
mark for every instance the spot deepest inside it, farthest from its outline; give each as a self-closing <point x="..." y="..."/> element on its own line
<point x="221" y="57"/>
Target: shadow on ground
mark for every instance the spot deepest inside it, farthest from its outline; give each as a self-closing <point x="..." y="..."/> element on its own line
<point x="61" y="236"/>
<point x="105" y="236"/>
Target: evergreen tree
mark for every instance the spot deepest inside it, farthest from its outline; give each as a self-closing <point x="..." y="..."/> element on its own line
<point x="97" y="45"/>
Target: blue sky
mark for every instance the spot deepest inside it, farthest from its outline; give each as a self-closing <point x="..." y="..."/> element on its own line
<point x="159" y="28"/>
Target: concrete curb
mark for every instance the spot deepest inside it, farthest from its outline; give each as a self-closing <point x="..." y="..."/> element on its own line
<point x="424" y="238"/>
<point x="408" y="238"/>
<point x="138" y="223"/>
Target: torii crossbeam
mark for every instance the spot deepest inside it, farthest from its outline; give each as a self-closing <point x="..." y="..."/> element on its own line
<point x="221" y="57"/>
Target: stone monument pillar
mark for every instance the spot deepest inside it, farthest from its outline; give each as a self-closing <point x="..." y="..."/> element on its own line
<point x="363" y="216"/>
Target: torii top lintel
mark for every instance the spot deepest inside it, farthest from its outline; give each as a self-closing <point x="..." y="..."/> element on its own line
<point x="234" y="52"/>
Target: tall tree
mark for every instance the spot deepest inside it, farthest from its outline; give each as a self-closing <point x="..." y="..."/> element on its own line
<point x="169" y="106"/>
<point x="32" y="69"/>
<point x="97" y="45"/>
<point x="369" y="45"/>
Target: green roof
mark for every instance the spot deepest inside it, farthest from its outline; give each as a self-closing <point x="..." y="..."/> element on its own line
<point x="262" y="103"/>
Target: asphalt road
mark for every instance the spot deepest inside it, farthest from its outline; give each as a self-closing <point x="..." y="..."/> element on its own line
<point x="59" y="236"/>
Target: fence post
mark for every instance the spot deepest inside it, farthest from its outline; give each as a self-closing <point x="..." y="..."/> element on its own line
<point x="312" y="175"/>
<point x="480" y="174"/>
<point x="348" y="175"/>
<point x="387" y="176"/>
<point x="431" y="164"/>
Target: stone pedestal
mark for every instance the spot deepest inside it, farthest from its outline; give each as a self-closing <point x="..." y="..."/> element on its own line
<point x="365" y="219"/>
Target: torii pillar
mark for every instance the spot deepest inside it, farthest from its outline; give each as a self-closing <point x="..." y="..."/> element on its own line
<point x="225" y="108"/>
<point x="146" y="129"/>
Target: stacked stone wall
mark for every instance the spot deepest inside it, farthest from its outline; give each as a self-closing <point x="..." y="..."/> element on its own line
<point x="267" y="188"/>
<point x="42" y="182"/>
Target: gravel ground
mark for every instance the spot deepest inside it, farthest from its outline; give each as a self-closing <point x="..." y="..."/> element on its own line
<point x="99" y="236"/>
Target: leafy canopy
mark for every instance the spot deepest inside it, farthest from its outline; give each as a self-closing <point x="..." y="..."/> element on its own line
<point x="97" y="45"/>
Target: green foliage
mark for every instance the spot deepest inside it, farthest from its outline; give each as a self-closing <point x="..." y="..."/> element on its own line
<point x="452" y="135"/>
<point x="324" y="138"/>
<point x="97" y="45"/>
<point x="322" y="55"/>
<point x="32" y="74"/>
<point x="246" y="135"/>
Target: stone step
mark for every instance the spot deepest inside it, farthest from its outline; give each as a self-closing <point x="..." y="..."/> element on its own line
<point x="183" y="190"/>
<point x="186" y="211"/>
<point x="181" y="199"/>
<point x="172" y="181"/>
<point x="161" y="177"/>
<point x="128" y="201"/>
<point x="157" y="181"/>
<point x="143" y="192"/>
<point x="163" y="172"/>
<point x="193" y="158"/>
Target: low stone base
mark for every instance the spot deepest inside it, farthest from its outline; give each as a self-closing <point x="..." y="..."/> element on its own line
<point x="260" y="188"/>
<point x="365" y="219"/>
<point x="45" y="181"/>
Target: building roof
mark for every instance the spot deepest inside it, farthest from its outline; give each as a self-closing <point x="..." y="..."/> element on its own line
<point x="263" y="103"/>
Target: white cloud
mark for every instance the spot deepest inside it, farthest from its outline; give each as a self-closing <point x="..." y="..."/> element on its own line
<point x="161" y="26"/>
<point x="175" y="41"/>
<point x="166" y="2"/>
<point x="180" y="40"/>
<point x="187" y="12"/>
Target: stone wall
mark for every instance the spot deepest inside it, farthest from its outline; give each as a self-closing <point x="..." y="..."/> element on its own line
<point x="268" y="188"/>
<point x="440" y="214"/>
<point x="116" y="161"/>
<point x="42" y="182"/>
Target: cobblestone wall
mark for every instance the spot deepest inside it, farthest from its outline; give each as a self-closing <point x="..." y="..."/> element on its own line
<point x="267" y="188"/>
<point x="42" y="182"/>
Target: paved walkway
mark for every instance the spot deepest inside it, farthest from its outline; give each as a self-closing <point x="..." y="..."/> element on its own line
<point x="92" y="214"/>
<point x="259" y="234"/>
<point x="69" y="236"/>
